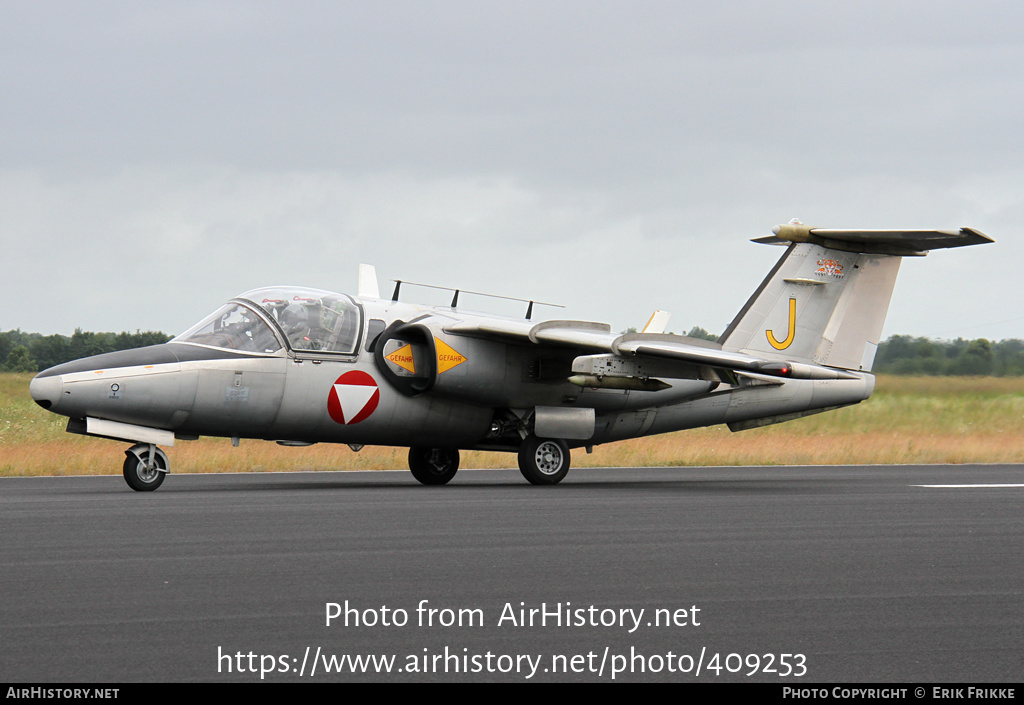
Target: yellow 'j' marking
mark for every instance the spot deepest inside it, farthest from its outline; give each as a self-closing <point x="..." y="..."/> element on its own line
<point x="792" y="330"/>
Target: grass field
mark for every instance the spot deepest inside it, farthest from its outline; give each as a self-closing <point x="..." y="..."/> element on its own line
<point x="907" y="420"/>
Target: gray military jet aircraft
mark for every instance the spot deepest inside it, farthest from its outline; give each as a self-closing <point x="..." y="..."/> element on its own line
<point x="301" y="366"/>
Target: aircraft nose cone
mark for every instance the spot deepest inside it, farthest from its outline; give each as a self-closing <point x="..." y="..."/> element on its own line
<point x="46" y="390"/>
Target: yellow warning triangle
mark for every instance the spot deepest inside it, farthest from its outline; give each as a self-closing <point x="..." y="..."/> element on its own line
<point x="447" y="357"/>
<point x="403" y="358"/>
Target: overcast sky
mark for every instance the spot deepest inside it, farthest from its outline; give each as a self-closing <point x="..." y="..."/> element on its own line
<point x="158" y="158"/>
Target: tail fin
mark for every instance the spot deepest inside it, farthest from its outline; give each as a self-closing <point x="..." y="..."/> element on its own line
<point x="825" y="300"/>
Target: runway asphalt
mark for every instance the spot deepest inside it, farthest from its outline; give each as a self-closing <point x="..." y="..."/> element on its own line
<point x="790" y="575"/>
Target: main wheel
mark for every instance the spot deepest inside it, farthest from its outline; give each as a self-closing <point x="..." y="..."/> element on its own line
<point x="544" y="461"/>
<point x="140" y="473"/>
<point x="434" y="466"/>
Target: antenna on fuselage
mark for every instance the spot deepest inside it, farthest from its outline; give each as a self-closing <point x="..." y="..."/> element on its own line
<point x="367" y="286"/>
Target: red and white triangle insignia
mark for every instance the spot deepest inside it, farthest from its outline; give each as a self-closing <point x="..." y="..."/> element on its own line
<point x="353" y="397"/>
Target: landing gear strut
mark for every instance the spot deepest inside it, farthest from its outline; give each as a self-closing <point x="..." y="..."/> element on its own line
<point x="145" y="467"/>
<point x="544" y="461"/>
<point x="434" y="466"/>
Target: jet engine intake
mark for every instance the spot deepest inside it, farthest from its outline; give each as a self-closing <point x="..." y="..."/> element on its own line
<point x="406" y="355"/>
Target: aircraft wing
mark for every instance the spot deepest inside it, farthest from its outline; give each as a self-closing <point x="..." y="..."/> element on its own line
<point x="641" y="354"/>
<point x="585" y="335"/>
<point x="687" y="352"/>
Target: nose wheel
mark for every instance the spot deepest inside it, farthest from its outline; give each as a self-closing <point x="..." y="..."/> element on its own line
<point x="145" y="467"/>
<point x="544" y="461"/>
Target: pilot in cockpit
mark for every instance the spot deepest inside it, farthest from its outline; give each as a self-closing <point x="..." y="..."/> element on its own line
<point x="311" y="325"/>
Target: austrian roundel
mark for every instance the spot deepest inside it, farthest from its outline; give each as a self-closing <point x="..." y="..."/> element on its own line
<point x="353" y="397"/>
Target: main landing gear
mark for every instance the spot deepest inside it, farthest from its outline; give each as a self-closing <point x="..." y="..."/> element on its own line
<point x="543" y="461"/>
<point x="145" y="467"/>
<point x="434" y="466"/>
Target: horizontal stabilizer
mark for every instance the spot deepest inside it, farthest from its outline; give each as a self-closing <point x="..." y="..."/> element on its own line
<point x="882" y="242"/>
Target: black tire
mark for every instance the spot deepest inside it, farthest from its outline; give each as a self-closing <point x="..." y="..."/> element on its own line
<point x="544" y="461"/>
<point x="434" y="466"/>
<point x="138" y="477"/>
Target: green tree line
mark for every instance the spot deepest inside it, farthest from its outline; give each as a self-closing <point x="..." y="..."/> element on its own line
<point x="899" y="355"/>
<point x="909" y="355"/>
<point x="31" y="352"/>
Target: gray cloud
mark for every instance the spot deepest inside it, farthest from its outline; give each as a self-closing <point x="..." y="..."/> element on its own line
<point x="615" y="157"/>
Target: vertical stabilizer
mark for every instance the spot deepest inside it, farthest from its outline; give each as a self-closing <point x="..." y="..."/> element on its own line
<point x="826" y="299"/>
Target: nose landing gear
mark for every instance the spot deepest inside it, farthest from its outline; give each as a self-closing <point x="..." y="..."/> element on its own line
<point x="145" y="467"/>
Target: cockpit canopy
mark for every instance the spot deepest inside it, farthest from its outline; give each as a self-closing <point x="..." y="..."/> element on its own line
<point x="261" y="320"/>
